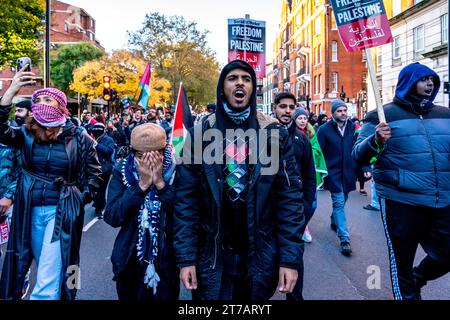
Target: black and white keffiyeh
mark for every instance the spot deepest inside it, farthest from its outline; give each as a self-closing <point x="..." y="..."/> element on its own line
<point x="149" y="216"/>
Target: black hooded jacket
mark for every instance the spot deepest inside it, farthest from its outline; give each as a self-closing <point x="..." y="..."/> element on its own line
<point x="273" y="207"/>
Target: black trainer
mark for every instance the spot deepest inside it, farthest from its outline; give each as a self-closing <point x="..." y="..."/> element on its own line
<point x="370" y="207"/>
<point x="346" y="249"/>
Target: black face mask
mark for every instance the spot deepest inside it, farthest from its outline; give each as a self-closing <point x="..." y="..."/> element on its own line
<point x="97" y="133"/>
<point x="20" y="120"/>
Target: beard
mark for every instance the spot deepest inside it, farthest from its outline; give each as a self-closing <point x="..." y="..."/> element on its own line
<point x="20" y="120"/>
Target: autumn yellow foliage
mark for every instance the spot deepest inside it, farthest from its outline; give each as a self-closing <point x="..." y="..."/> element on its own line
<point x="125" y="70"/>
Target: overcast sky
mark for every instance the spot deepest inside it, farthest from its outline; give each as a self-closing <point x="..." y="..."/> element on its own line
<point x="115" y="17"/>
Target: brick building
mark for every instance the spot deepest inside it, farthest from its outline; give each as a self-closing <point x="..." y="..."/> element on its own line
<point x="69" y="24"/>
<point x="420" y="34"/>
<point x="311" y="62"/>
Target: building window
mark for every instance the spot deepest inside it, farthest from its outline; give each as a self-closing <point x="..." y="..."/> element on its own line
<point x="320" y="83"/>
<point x="396" y="50"/>
<point x="363" y="54"/>
<point x="417" y="1"/>
<point x="364" y="79"/>
<point x="379" y="58"/>
<point x="319" y="55"/>
<point x="419" y="40"/>
<point x="444" y="28"/>
<point x="334" y="82"/>
<point x="1" y="84"/>
<point x="315" y="85"/>
<point x="396" y="8"/>
<point x="66" y="27"/>
<point x="334" y="51"/>
<point x="91" y="36"/>
<point x="317" y="26"/>
<point x="92" y="23"/>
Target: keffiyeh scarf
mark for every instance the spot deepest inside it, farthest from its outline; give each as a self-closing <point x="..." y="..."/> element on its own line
<point x="149" y="216"/>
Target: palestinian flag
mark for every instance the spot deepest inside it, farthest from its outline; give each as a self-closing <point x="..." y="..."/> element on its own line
<point x="182" y="121"/>
<point x="143" y="93"/>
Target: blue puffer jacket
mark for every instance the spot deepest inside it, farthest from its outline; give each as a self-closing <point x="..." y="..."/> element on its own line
<point x="414" y="165"/>
<point x="49" y="160"/>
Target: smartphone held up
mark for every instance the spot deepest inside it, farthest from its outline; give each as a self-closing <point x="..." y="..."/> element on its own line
<point x="21" y="62"/>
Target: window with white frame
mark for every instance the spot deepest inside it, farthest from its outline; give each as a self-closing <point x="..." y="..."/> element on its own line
<point x="334" y="51"/>
<point x="396" y="48"/>
<point x="444" y="28"/>
<point x="334" y="82"/>
<point x="416" y="1"/>
<point x="379" y="58"/>
<point x="316" y="85"/>
<point x="419" y="39"/>
<point x="320" y="83"/>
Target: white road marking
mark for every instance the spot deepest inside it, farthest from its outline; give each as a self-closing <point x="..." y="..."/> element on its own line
<point x="90" y="224"/>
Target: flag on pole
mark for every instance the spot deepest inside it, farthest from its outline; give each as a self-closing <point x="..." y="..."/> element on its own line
<point x="181" y="122"/>
<point x="143" y="92"/>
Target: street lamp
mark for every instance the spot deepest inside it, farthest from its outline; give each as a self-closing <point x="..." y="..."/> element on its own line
<point x="47" y="43"/>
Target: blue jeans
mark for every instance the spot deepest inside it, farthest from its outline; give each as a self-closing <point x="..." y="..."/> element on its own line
<point x="374" y="202"/>
<point x="338" y="215"/>
<point x="46" y="253"/>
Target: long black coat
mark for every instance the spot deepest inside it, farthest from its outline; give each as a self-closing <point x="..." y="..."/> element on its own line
<point x="305" y="163"/>
<point x="84" y="170"/>
<point x="337" y="151"/>
<point x="122" y="210"/>
<point x="274" y="218"/>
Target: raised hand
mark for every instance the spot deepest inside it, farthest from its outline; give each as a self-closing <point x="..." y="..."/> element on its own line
<point x="20" y="79"/>
<point x="145" y="171"/>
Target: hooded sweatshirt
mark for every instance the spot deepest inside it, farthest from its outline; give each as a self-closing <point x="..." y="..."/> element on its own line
<point x="413" y="167"/>
<point x="236" y="169"/>
<point x="406" y="95"/>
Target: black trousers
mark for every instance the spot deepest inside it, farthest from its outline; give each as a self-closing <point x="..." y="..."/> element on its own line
<point x="100" y="197"/>
<point x="235" y="281"/>
<point x="131" y="287"/>
<point x="406" y="227"/>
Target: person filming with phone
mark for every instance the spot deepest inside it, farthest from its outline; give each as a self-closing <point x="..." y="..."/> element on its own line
<point x="60" y="172"/>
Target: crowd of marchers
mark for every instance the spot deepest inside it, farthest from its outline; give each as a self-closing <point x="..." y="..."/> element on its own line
<point x="226" y="228"/>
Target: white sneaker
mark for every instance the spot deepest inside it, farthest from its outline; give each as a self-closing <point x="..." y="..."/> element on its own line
<point x="26" y="284"/>
<point x="307" y="235"/>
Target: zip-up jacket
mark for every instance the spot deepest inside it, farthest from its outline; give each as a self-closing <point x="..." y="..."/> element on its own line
<point x="414" y="165"/>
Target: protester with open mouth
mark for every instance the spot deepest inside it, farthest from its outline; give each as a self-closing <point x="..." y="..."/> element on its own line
<point x="238" y="230"/>
<point x="411" y="157"/>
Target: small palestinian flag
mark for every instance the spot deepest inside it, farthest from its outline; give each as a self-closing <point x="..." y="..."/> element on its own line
<point x="143" y="92"/>
<point x="182" y="121"/>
